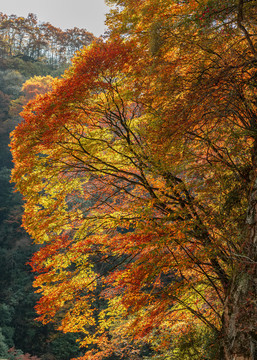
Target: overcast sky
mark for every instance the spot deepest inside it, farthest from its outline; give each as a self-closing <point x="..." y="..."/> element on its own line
<point x="66" y="14"/>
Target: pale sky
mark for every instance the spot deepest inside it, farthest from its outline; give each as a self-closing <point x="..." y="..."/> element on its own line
<point x="65" y="14"/>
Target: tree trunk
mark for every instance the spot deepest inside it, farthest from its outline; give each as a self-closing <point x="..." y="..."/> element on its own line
<point x="240" y="311"/>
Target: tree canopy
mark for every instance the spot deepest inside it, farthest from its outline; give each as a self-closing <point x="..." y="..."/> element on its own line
<point x="139" y="175"/>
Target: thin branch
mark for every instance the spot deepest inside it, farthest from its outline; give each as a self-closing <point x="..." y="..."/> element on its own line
<point x="240" y="18"/>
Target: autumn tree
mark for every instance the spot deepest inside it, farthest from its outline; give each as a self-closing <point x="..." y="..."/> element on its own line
<point x="143" y="157"/>
<point x="30" y="89"/>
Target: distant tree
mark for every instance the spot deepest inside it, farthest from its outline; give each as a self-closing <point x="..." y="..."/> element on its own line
<point x="3" y="346"/>
<point x="4" y="106"/>
<point x="30" y="89"/>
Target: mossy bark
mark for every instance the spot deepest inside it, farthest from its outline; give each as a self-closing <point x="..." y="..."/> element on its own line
<point x="239" y="333"/>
